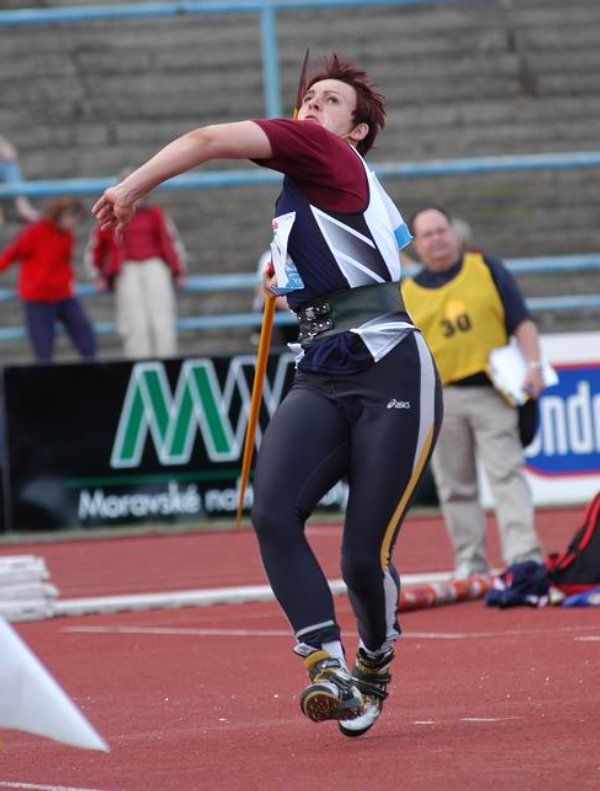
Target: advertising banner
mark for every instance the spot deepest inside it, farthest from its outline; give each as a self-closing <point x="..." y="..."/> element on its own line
<point x="563" y="462"/>
<point x="118" y="443"/>
<point x="113" y="443"/>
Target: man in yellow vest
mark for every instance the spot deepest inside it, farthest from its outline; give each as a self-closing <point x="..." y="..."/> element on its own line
<point x="466" y="305"/>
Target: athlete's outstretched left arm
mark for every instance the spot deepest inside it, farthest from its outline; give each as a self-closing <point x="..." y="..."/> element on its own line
<point x="240" y="140"/>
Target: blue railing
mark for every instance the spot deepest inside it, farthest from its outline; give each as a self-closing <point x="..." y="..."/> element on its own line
<point x="249" y="280"/>
<point x="239" y="281"/>
<point x="255" y="176"/>
<point x="245" y="320"/>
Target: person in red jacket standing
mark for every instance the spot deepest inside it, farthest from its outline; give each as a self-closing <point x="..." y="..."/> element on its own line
<point x="141" y="265"/>
<point x="44" y="250"/>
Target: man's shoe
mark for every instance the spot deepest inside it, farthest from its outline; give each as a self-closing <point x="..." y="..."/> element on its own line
<point x="465" y="570"/>
<point x="332" y="694"/>
<point x="371" y="676"/>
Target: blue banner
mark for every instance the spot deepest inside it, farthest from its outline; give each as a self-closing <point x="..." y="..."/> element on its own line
<point x="568" y="438"/>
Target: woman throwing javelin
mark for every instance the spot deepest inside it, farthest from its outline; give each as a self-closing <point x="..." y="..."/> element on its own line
<point x="365" y="402"/>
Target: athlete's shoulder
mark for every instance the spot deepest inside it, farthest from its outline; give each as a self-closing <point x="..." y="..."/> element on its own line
<point x="287" y="133"/>
<point x="308" y="128"/>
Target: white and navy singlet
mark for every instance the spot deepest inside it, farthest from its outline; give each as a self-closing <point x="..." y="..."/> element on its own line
<point x="335" y="228"/>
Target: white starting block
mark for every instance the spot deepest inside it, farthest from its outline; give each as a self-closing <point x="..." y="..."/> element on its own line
<point x="25" y="592"/>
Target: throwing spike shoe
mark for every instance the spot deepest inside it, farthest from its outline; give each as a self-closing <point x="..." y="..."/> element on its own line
<point x="371" y="676"/>
<point x="332" y="695"/>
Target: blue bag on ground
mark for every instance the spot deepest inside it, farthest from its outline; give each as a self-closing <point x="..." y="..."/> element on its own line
<point x="523" y="583"/>
<point x="589" y="598"/>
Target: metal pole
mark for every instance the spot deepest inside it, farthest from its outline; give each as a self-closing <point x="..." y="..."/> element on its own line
<point x="270" y="59"/>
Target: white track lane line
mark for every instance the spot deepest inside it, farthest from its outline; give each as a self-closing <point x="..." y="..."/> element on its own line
<point x="486" y="719"/>
<point x="167" y="630"/>
<point x="474" y="720"/>
<point x="209" y="632"/>
<point x="36" y="787"/>
<point x="503" y="633"/>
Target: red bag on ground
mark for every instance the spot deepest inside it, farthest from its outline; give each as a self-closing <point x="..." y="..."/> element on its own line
<point x="578" y="568"/>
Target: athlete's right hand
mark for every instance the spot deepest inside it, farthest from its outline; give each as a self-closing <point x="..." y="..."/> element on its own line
<point x="114" y="209"/>
<point x="268" y="279"/>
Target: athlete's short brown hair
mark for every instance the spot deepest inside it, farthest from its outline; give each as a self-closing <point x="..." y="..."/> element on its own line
<point x="370" y="103"/>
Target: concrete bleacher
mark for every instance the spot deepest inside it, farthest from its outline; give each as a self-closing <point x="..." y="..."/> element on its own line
<point x="462" y="79"/>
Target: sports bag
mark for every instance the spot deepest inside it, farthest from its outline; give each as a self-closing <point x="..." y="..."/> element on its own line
<point x="524" y="583"/>
<point x="578" y="568"/>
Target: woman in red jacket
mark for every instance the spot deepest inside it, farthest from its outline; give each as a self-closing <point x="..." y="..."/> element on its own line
<point x="142" y="265"/>
<point x="44" y="250"/>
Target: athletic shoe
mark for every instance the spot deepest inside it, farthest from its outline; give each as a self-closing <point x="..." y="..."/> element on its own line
<point x="332" y="694"/>
<point x="371" y="676"/>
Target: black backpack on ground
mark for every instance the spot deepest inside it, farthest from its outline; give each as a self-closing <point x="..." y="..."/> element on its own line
<point x="578" y="568"/>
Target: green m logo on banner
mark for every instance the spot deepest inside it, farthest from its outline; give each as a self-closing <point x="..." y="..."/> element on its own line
<point x="173" y="421"/>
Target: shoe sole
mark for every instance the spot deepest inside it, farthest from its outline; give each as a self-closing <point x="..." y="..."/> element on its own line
<point x="320" y="705"/>
<point x="352" y="734"/>
<point x="369" y="715"/>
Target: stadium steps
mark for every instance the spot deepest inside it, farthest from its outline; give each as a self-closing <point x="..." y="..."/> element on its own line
<point x="462" y="79"/>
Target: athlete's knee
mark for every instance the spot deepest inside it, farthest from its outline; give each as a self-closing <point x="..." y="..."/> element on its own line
<point x="359" y="570"/>
<point x="272" y="522"/>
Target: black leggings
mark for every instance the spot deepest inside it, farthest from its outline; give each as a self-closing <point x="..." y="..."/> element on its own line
<point x="378" y="428"/>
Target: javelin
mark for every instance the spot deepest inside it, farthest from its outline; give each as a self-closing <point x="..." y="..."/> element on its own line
<point x="262" y="354"/>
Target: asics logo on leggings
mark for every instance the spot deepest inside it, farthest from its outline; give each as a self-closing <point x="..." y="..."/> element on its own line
<point x="393" y="404"/>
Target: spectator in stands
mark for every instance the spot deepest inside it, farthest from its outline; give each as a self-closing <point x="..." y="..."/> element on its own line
<point x="142" y="265"/>
<point x="466" y="304"/>
<point x="44" y="251"/>
<point x="282" y="333"/>
<point x="10" y="170"/>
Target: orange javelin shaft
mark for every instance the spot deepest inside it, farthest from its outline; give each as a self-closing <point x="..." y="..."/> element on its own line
<point x="262" y="355"/>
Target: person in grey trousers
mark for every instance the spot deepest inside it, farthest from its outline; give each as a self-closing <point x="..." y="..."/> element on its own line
<point x="467" y="304"/>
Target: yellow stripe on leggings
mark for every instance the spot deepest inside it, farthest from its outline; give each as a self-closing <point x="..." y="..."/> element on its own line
<point x="414" y="478"/>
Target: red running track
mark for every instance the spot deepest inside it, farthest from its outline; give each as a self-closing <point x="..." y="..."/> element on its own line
<point x="186" y="561"/>
<point x="207" y="698"/>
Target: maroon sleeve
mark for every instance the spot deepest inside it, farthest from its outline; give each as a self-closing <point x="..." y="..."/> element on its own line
<point x="322" y="164"/>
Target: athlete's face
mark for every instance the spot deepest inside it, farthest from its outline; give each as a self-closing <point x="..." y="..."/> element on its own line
<point x="332" y="103"/>
<point x="435" y="241"/>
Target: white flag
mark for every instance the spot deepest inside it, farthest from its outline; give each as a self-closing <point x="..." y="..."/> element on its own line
<point x="31" y="700"/>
